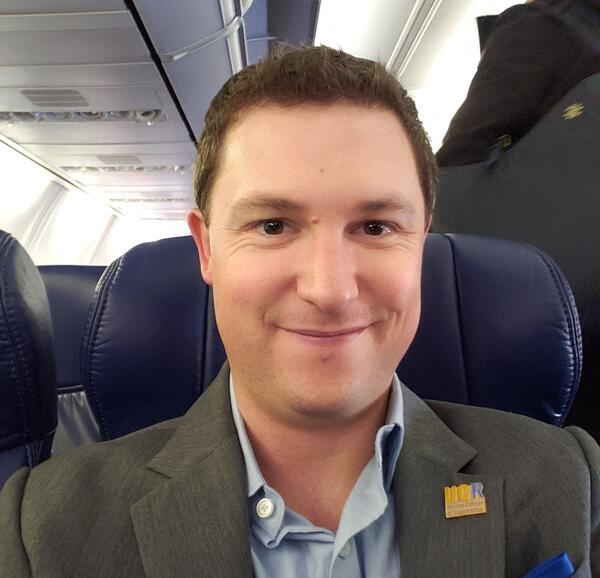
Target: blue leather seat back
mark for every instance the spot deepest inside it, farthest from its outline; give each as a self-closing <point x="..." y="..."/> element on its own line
<point x="499" y="329"/>
<point x="151" y="345"/>
<point x="70" y="290"/>
<point x="27" y="366"/>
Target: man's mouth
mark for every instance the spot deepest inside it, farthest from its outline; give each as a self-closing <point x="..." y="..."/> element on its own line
<point x="329" y="337"/>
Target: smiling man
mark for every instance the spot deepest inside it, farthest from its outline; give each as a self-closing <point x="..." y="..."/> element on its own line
<point x="307" y="457"/>
<point x="317" y="224"/>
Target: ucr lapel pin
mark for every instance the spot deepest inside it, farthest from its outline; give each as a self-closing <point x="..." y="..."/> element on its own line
<point x="464" y="500"/>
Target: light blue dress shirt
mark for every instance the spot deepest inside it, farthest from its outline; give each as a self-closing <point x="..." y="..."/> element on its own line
<point x="285" y="544"/>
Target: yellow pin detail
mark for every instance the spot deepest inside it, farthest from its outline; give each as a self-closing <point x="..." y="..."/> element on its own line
<point x="464" y="500"/>
<point x="573" y="111"/>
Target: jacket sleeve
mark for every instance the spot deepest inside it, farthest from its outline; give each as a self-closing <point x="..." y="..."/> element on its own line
<point x="14" y="562"/>
<point x="591" y="452"/>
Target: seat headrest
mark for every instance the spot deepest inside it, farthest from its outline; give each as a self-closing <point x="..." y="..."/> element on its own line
<point x="70" y="290"/>
<point x="147" y="352"/>
<point x="499" y="329"/>
<point x="27" y="365"/>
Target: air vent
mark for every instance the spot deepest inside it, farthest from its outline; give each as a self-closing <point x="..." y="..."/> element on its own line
<point x="148" y="117"/>
<point x="120" y="159"/>
<point x="114" y="167"/>
<point x="55" y="97"/>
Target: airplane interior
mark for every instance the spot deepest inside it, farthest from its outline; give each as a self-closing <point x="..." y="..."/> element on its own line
<point x="105" y="323"/>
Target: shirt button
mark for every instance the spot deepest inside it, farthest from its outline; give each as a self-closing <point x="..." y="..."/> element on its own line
<point x="345" y="550"/>
<point x="264" y="508"/>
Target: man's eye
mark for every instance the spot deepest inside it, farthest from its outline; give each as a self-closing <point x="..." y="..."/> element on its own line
<point x="375" y="228"/>
<point x="271" y="227"/>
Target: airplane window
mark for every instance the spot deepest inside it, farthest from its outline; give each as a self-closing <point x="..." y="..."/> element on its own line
<point x="26" y="193"/>
<point x="127" y="232"/>
<point x="85" y="218"/>
<point x="37" y="210"/>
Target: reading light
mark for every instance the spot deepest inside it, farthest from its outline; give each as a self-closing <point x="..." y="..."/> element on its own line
<point x="146" y="116"/>
<point x="180" y="169"/>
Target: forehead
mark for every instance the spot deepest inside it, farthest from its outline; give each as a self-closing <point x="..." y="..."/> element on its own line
<point x="330" y="151"/>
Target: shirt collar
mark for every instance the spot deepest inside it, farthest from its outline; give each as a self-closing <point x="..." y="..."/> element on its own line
<point x="255" y="477"/>
<point x="388" y="440"/>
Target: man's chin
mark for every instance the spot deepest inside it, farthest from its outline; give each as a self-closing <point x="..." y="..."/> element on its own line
<point x="327" y="371"/>
<point x="322" y="413"/>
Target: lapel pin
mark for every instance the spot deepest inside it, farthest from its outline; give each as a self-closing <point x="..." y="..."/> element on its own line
<point x="464" y="500"/>
<point x="573" y="111"/>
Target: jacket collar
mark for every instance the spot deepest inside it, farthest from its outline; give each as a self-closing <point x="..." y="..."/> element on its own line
<point x="434" y="457"/>
<point x="196" y="523"/>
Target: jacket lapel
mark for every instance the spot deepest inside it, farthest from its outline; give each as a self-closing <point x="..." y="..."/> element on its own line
<point x="432" y="457"/>
<point x="195" y="524"/>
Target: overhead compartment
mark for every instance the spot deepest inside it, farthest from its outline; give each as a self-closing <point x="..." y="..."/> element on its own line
<point x="59" y="6"/>
<point x="74" y="38"/>
<point x="199" y="44"/>
<point x="81" y="93"/>
<point x="111" y="94"/>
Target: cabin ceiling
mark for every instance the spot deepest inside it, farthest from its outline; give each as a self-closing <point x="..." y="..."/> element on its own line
<point x="110" y="94"/>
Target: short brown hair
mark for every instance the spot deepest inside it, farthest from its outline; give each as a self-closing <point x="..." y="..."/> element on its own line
<point x="309" y="75"/>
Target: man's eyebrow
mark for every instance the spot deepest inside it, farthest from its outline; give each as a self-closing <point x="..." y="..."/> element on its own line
<point x="391" y="203"/>
<point x="264" y="202"/>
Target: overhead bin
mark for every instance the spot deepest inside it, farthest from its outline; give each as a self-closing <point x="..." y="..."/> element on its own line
<point x="110" y="95"/>
<point x="81" y="93"/>
<point x="59" y="6"/>
<point x="199" y="44"/>
<point x="196" y="79"/>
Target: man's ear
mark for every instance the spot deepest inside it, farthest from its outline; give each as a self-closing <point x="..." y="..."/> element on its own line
<point x="199" y="231"/>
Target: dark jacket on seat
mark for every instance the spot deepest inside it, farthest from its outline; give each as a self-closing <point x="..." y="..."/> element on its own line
<point x="535" y="54"/>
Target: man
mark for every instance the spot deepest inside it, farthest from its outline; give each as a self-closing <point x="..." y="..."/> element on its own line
<point x="307" y="457"/>
<point x="534" y="55"/>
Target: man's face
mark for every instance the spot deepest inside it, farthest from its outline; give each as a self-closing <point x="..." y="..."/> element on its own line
<point x="314" y="252"/>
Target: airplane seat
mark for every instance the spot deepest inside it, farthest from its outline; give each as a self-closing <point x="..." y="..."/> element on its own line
<point x="544" y="191"/>
<point x="70" y="290"/>
<point x="499" y="329"/>
<point x="151" y="345"/>
<point x="27" y="365"/>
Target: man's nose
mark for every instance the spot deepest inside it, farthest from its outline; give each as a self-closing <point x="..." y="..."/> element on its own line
<point x="327" y="274"/>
